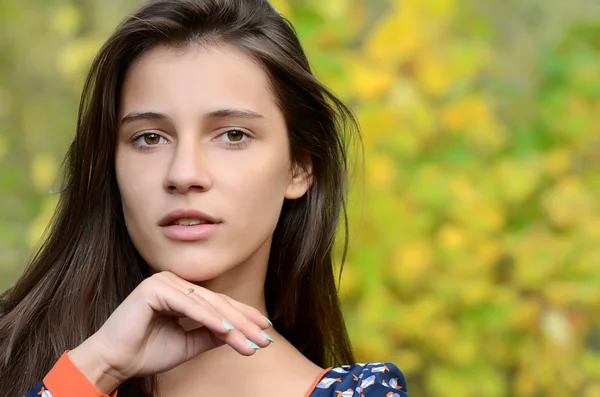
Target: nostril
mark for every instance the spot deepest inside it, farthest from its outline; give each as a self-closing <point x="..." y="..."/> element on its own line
<point x="184" y="188"/>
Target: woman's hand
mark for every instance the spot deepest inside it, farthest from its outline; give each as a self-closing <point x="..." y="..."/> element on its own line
<point x="143" y="336"/>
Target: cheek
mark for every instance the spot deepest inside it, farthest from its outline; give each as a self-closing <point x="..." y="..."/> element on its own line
<point x="136" y="181"/>
<point x="256" y="189"/>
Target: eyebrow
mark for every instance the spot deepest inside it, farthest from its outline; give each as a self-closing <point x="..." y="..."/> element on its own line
<point x="135" y="116"/>
<point x="215" y="114"/>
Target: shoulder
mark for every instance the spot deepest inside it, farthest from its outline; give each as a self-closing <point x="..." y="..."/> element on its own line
<point x="368" y="380"/>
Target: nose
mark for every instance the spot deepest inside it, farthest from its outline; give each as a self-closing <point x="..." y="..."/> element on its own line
<point x="188" y="169"/>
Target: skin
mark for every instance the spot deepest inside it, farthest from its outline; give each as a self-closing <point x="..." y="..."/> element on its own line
<point x="189" y="158"/>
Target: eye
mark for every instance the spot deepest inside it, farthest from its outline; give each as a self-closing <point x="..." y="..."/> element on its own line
<point x="235" y="135"/>
<point x="152" y="139"/>
<point x="234" y="138"/>
<point x="149" y="139"/>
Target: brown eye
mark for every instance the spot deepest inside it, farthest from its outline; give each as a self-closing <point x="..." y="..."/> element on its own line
<point x="235" y="135"/>
<point x="152" y="139"/>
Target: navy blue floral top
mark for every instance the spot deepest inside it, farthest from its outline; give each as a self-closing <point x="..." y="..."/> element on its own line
<point x="358" y="380"/>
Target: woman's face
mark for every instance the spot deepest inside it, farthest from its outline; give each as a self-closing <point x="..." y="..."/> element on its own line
<point x="202" y="160"/>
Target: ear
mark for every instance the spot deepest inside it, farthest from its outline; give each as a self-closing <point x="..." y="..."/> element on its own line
<point x="301" y="178"/>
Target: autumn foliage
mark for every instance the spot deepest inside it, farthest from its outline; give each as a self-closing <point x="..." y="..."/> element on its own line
<point x="474" y="259"/>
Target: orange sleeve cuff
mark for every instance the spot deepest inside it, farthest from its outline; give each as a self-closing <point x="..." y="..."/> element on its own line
<point x="66" y="380"/>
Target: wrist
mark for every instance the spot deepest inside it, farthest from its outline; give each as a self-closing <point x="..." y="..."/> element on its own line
<point x="98" y="372"/>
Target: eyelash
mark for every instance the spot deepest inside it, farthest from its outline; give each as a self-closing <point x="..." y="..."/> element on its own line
<point x="237" y="145"/>
<point x="136" y="141"/>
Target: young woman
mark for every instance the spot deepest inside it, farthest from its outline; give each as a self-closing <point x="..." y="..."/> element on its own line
<point x="203" y="190"/>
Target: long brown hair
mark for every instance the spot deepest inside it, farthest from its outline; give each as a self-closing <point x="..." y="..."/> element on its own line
<point x="87" y="264"/>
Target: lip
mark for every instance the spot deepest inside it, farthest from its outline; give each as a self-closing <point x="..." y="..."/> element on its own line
<point x="183" y="213"/>
<point x="188" y="233"/>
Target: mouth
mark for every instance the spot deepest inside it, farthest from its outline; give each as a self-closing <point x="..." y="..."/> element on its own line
<point x="189" y="222"/>
<point x="189" y="225"/>
<point x="183" y="217"/>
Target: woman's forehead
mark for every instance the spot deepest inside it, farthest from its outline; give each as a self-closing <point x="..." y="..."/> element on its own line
<point x="197" y="78"/>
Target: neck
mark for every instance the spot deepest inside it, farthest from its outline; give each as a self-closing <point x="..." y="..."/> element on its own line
<point x="224" y="372"/>
<point x="243" y="283"/>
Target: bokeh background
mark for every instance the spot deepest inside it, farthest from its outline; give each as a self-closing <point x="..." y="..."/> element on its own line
<point x="474" y="258"/>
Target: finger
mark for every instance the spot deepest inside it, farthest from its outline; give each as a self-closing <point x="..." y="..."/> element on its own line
<point x="173" y="282"/>
<point x="199" y="310"/>
<point x="201" y="340"/>
<point x="248" y="320"/>
<point x="168" y="299"/>
<point x="189" y="290"/>
<point x="235" y="337"/>
<point x="206" y="305"/>
<point x="251" y="312"/>
<point x="242" y="323"/>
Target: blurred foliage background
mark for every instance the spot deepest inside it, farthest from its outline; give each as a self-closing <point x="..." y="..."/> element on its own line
<point x="474" y="258"/>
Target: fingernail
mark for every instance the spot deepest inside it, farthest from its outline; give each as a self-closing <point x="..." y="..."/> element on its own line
<point x="263" y="333"/>
<point x="227" y="325"/>
<point x="269" y="321"/>
<point x="252" y="344"/>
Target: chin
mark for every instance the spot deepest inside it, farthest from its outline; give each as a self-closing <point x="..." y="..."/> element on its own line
<point x="191" y="266"/>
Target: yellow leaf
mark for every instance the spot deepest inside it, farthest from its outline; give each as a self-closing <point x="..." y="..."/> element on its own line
<point x="66" y="20"/>
<point x="592" y="390"/>
<point x="592" y="227"/>
<point x="425" y="311"/>
<point x="538" y="254"/>
<point x="443" y="332"/>
<point x="76" y="56"/>
<point x="517" y="179"/>
<point x="410" y="360"/>
<point x="415" y="114"/>
<point x="488" y="252"/>
<point x="370" y="344"/>
<point x="473" y="117"/>
<point x="433" y="74"/>
<point x="397" y="36"/>
<point x="350" y="281"/>
<point x="452" y="237"/>
<point x="477" y="292"/>
<point x="463" y="113"/>
<point x="558" y="161"/>
<point x="462" y="351"/>
<point x="437" y="10"/>
<point x="463" y="189"/>
<point x="569" y="203"/>
<point x="336" y="9"/>
<point x="43" y="171"/>
<point x="369" y="79"/>
<point x="525" y="315"/>
<point x="374" y="122"/>
<point x="37" y="227"/>
<point x="525" y="383"/>
<point x="380" y="171"/>
<point x="559" y="294"/>
<point x="481" y="216"/>
<point x="283" y="7"/>
<point x="413" y="260"/>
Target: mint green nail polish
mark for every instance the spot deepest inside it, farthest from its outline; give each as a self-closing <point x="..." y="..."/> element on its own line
<point x="227" y="325"/>
<point x="263" y="333"/>
<point x="269" y="321"/>
<point x="252" y="344"/>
